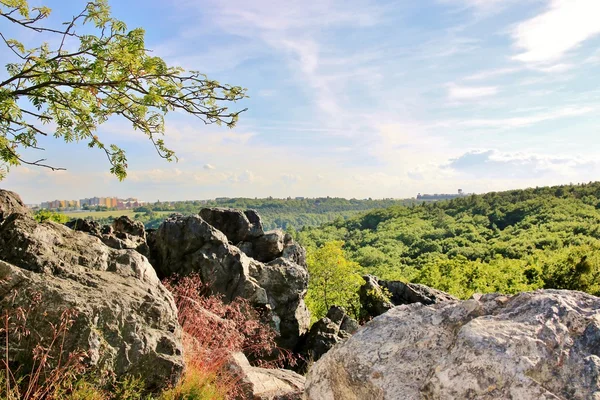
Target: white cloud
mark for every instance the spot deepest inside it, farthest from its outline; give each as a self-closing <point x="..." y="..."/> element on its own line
<point x="557" y="68"/>
<point x="520" y="165"/>
<point x="561" y="28"/>
<point x="479" y="5"/>
<point x="492" y="73"/>
<point x="209" y="166"/>
<point x="519" y="122"/>
<point x="457" y="92"/>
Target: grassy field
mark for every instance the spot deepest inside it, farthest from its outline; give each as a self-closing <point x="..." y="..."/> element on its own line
<point x="106" y="214"/>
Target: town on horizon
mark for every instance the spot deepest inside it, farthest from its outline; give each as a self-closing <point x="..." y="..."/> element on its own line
<point x="132" y="202"/>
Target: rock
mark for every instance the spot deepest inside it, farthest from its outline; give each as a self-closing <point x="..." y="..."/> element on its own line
<point x="378" y="296"/>
<point x="287" y="239"/>
<point x="268" y="246"/>
<point x="247" y="248"/>
<point x="106" y="230"/>
<point x="262" y="383"/>
<point x="183" y="245"/>
<point x="285" y="284"/>
<point x="235" y="224"/>
<point x="127" y="320"/>
<point x="537" y="345"/>
<point x="11" y="203"/>
<point x="408" y="293"/>
<point x="295" y="252"/>
<point x="124" y="233"/>
<point x="334" y="328"/>
<point x="85" y="225"/>
<point x="373" y="299"/>
<point x="126" y="225"/>
<point x="255" y="221"/>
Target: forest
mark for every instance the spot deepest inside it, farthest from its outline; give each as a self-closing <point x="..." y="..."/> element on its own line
<point x="275" y="213"/>
<point x="507" y="242"/>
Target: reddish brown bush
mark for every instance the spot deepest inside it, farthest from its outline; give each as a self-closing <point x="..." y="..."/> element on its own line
<point x="40" y="368"/>
<point x="214" y="329"/>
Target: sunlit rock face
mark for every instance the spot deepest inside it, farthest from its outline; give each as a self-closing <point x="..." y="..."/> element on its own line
<point x="538" y="345"/>
<point x="257" y="270"/>
<point x="126" y="321"/>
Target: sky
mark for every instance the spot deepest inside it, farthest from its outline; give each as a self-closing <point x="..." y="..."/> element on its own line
<point x="355" y="99"/>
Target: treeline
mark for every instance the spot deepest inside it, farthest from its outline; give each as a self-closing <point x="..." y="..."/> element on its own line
<point x="497" y="242"/>
<point x="277" y="213"/>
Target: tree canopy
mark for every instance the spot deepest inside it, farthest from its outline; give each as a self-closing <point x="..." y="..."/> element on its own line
<point x="67" y="91"/>
<point x="547" y="237"/>
<point x="334" y="281"/>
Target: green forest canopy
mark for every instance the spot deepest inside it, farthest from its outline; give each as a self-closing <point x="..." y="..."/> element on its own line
<point x="287" y="214"/>
<point x="497" y="242"/>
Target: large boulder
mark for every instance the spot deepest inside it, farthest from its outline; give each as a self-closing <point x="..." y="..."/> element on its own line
<point x="374" y="300"/>
<point x="189" y="244"/>
<point x="238" y="226"/>
<point x="126" y="225"/>
<point x="256" y="383"/>
<point x="124" y="233"/>
<point x="378" y="296"/>
<point x="11" y="203"/>
<point x="295" y="252"/>
<point x="408" y="293"/>
<point x="285" y="284"/>
<point x="85" y="225"/>
<point x="269" y="246"/>
<point x="538" y="345"/>
<point x="330" y="330"/>
<point x="126" y="321"/>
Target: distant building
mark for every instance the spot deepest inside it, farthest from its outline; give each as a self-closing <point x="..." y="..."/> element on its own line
<point x="92" y="202"/>
<point x="442" y="196"/>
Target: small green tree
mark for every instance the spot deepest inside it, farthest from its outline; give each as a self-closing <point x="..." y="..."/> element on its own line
<point x="77" y="88"/>
<point x="47" y="215"/>
<point x="334" y="280"/>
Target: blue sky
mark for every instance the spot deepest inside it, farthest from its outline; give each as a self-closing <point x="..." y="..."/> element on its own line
<point x="357" y="99"/>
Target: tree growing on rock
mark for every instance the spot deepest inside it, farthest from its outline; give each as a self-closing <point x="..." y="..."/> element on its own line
<point x="333" y="280"/>
<point x="68" y="91"/>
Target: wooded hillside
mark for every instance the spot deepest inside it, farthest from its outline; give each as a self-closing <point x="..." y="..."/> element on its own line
<point x="507" y="242"/>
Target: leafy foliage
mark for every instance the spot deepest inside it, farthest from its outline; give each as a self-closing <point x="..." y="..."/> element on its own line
<point x="110" y="73"/>
<point x="47" y="215"/>
<point x="497" y="242"/>
<point x="333" y="280"/>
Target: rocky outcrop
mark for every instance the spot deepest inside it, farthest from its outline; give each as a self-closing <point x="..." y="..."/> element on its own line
<point x="85" y="225"/>
<point x="244" y="230"/>
<point x="378" y="296"/>
<point x="124" y="233"/>
<point x="238" y="226"/>
<point x="295" y="252"/>
<point x="409" y="293"/>
<point x="187" y="244"/>
<point x="127" y="320"/>
<point x="374" y="300"/>
<point x="126" y="225"/>
<point x="11" y="203"/>
<point x="330" y="330"/>
<point x="269" y="246"/>
<point x="539" y="345"/>
<point x="264" y="384"/>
